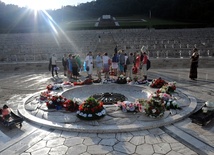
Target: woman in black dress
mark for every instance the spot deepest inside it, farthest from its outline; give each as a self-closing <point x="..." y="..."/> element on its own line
<point x="194" y="64"/>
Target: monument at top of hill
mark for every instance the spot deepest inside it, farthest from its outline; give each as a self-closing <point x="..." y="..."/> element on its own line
<point x="106" y="21"/>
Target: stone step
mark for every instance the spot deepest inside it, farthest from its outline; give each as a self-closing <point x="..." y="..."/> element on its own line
<point x="193" y="142"/>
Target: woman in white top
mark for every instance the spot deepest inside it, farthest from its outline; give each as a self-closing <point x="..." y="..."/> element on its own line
<point x="89" y="63"/>
<point x="106" y="65"/>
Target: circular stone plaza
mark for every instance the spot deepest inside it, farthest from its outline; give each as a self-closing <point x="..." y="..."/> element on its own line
<point x="24" y="75"/>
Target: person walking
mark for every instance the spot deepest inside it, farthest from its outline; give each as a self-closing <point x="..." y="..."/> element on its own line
<point x="194" y="65"/>
<point x="64" y="64"/>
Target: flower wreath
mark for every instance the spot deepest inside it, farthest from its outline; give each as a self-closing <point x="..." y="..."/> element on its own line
<point x="44" y="95"/>
<point x="70" y="105"/>
<point x="167" y="88"/>
<point x="54" y="87"/>
<point x="157" y="83"/>
<point x="91" y="109"/>
<point x="127" y="106"/>
<point x="154" y="107"/>
<point x="55" y="102"/>
<point x="121" y="79"/>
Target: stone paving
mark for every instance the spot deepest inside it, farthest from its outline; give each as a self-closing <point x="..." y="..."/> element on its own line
<point x="181" y="137"/>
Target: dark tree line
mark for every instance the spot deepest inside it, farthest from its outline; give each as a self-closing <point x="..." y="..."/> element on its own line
<point x="200" y="11"/>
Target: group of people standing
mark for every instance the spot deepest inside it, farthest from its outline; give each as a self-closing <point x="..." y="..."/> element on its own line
<point x="71" y="65"/>
<point x="120" y="64"/>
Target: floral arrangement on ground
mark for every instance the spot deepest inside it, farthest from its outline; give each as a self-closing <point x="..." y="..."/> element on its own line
<point x="91" y="109"/>
<point x="59" y="102"/>
<point x="154" y="106"/>
<point x="127" y="106"/>
<point x="157" y="83"/>
<point x="160" y="101"/>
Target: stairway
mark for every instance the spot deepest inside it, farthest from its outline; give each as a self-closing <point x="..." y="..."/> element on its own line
<point x="106" y="43"/>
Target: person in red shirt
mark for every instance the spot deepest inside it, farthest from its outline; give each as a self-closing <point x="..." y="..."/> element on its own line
<point x="5" y="112"/>
<point x="144" y="65"/>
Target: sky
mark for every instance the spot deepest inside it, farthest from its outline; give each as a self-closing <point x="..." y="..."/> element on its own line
<point x="44" y="4"/>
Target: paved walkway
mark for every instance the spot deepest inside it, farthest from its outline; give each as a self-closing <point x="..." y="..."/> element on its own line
<point x="180" y="137"/>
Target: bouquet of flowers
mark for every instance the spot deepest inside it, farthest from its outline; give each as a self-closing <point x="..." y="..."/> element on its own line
<point x="44" y="95"/>
<point x="91" y="109"/>
<point x="67" y="83"/>
<point x="157" y="83"/>
<point x="154" y="107"/>
<point x="54" y="87"/>
<point x="127" y="106"/>
<point x="121" y="79"/>
<point x="70" y="105"/>
<point x="55" y="102"/>
<point x="167" y="88"/>
<point x="170" y="101"/>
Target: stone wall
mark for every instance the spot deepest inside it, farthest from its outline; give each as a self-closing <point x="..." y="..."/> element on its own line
<point x="155" y="64"/>
<point x="176" y="43"/>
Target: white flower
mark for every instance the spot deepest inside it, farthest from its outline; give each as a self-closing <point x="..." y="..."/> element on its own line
<point x="103" y="112"/>
<point x="168" y="104"/>
<point x="99" y="114"/>
<point x="174" y="102"/>
<point x="50" y="102"/>
<point x="153" y="110"/>
<point x="58" y="100"/>
<point x="78" y="112"/>
<point x="84" y="115"/>
<point x="89" y="115"/>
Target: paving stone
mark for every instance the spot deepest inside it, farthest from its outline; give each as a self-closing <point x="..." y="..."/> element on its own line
<point x="152" y="139"/>
<point x="124" y="136"/>
<point x="145" y="149"/>
<point x="125" y="147"/>
<point x="137" y="140"/>
<point x="37" y="146"/>
<point x="58" y="150"/>
<point x="53" y="135"/>
<point x="108" y="142"/>
<point x="91" y="141"/>
<point x="41" y="151"/>
<point x="25" y="154"/>
<point x="99" y="149"/>
<point x="167" y="138"/>
<point x="77" y="149"/>
<point x="116" y="153"/>
<point x="72" y="141"/>
<point x="174" y="153"/>
<point x="55" y="142"/>
<point x="162" y="148"/>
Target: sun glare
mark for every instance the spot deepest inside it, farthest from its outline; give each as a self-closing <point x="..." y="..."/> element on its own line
<point x="39" y="5"/>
